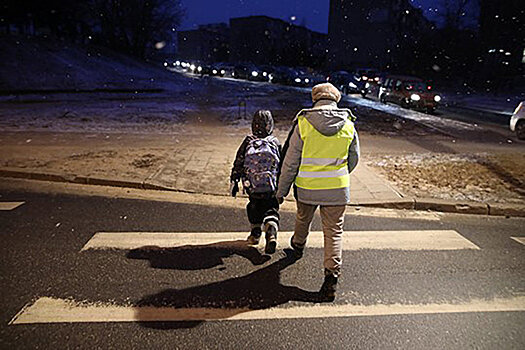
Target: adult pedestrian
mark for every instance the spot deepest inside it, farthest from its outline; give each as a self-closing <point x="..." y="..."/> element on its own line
<point x="321" y="151"/>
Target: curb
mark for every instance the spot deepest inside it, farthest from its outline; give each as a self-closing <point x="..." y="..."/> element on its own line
<point x="427" y="204"/>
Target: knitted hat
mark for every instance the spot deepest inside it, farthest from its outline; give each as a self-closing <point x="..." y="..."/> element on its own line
<point x="325" y="91"/>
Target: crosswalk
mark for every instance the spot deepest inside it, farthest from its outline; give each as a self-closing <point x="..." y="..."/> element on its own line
<point x="55" y="310"/>
<point x="6" y="206"/>
<point x="45" y="310"/>
<point x="354" y="240"/>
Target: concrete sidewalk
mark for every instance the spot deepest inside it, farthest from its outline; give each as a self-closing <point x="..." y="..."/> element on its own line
<point x="191" y="162"/>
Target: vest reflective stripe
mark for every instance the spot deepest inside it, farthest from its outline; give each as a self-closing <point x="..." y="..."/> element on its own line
<point x="335" y="173"/>
<point x="324" y="162"/>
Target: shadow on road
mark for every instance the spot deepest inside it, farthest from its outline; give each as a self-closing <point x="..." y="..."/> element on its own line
<point x="260" y="289"/>
<point x="197" y="257"/>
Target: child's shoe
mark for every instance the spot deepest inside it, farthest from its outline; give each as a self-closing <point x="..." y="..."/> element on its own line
<point x="271" y="240"/>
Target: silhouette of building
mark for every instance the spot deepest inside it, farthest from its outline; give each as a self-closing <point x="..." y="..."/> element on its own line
<point x="208" y="43"/>
<point x="367" y="33"/>
<point x="502" y="30"/>
<point x="266" y="40"/>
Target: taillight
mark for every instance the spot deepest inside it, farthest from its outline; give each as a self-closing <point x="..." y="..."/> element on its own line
<point x="429" y="87"/>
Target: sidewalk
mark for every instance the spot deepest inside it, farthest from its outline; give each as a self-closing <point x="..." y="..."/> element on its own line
<point x="197" y="160"/>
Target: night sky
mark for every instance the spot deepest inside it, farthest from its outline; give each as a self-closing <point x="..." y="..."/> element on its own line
<point x="311" y="13"/>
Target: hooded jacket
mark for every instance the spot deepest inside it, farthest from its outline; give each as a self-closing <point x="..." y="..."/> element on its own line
<point x="328" y="119"/>
<point x="262" y="127"/>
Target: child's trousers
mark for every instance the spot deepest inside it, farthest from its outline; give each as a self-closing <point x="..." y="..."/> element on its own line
<point x="263" y="210"/>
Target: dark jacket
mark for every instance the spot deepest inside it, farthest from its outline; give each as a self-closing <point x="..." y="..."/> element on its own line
<point x="262" y="127"/>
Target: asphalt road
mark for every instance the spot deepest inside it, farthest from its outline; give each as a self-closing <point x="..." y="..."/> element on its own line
<point x="40" y="244"/>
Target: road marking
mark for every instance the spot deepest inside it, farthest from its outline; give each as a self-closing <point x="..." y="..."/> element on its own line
<point x="353" y="240"/>
<point x="519" y="239"/>
<point x="10" y="205"/>
<point x="49" y="310"/>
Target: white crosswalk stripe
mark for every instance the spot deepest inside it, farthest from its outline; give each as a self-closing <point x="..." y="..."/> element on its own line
<point x="49" y="310"/>
<point x="10" y="205"/>
<point x="353" y="240"/>
<point x="519" y="239"/>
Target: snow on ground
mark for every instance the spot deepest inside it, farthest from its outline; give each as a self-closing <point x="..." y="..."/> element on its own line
<point x="473" y="177"/>
<point x="426" y="119"/>
<point x="504" y="104"/>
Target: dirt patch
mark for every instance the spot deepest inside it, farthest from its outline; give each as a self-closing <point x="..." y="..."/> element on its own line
<point x="473" y="177"/>
<point x="146" y="161"/>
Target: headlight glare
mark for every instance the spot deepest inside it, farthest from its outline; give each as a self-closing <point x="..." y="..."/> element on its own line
<point x="415" y="97"/>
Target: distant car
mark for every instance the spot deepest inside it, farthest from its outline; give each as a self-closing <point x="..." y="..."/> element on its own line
<point x="409" y="92"/>
<point x="517" y="121"/>
<point x="348" y="83"/>
<point x="284" y="76"/>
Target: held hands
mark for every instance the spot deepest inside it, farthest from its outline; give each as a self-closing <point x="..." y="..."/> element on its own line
<point x="234" y="188"/>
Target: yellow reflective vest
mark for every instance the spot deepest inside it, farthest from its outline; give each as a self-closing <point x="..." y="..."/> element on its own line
<point x="324" y="159"/>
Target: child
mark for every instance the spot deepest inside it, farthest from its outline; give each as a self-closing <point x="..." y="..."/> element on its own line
<point x="257" y="164"/>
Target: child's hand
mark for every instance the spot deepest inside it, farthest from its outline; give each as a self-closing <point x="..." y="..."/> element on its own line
<point x="234" y="188"/>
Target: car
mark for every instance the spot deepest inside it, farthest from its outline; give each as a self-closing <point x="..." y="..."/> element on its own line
<point x="284" y="76"/>
<point x="247" y="71"/>
<point x="409" y="92"/>
<point x="348" y="83"/>
<point x="517" y="121"/>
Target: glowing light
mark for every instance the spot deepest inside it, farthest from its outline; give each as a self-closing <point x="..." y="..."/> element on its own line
<point x="254" y="74"/>
<point x="415" y="97"/>
<point x="437" y="98"/>
<point x="297" y="80"/>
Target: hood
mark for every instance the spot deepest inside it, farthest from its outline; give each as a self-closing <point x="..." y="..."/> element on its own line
<point x="327" y="121"/>
<point x="262" y="123"/>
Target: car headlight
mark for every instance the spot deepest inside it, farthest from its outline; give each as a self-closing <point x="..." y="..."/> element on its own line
<point x="254" y="73"/>
<point x="214" y="71"/>
<point x="415" y="97"/>
<point x="192" y="67"/>
<point x="165" y="64"/>
<point x="265" y="74"/>
<point x="297" y="80"/>
<point x="352" y="85"/>
<point x="437" y="98"/>
<point x="233" y="74"/>
<point x="223" y="71"/>
<point x="367" y="85"/>
<point x="199" y="69"/>
<point x="307" y="80"/>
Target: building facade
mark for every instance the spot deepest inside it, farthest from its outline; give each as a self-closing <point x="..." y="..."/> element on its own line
<point x="266" y="40"/>
<point x="502" y="31"/>
<point x="208" y="43"/>
<point x="367" y="33"/>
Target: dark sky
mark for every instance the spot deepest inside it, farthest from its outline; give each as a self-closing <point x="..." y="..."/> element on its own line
<point x="312" y="13"/>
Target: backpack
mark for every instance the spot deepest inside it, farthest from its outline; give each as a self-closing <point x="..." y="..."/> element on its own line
<point x="261" y="165"/>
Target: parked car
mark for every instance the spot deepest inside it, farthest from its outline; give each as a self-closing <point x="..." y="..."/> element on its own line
<point x="348" y="83"/>
<point x="409" y="92"/>
<point x="517" y="121"/>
